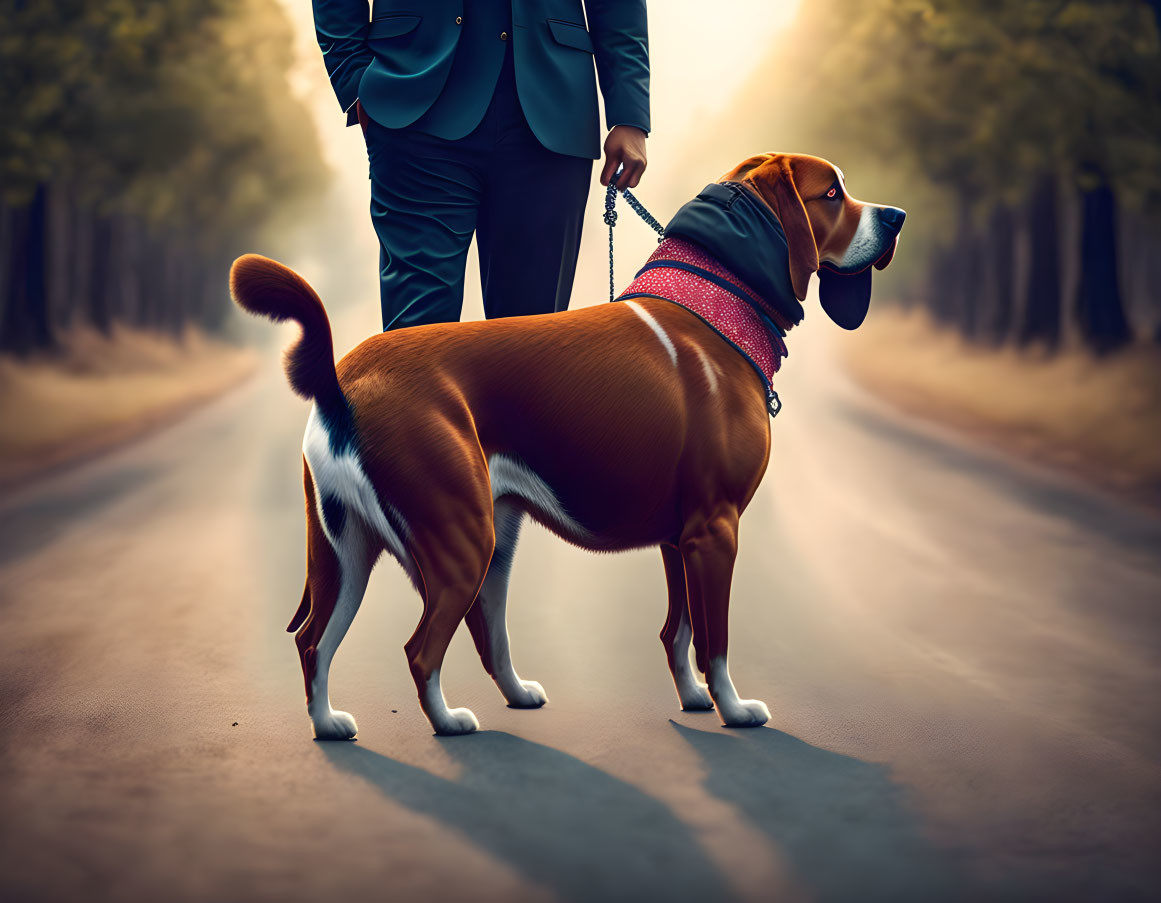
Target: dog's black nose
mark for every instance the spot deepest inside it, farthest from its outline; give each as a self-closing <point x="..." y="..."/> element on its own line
<point x="892" y="217"/>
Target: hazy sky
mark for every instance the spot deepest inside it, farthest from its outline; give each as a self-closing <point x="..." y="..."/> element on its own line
<point x="701" y="52"/>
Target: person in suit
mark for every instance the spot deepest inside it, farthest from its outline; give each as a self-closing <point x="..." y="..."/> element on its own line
<point x="481" y="117"/>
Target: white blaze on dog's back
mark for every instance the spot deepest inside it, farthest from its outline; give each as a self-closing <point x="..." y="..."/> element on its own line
<point x="711" y="373"/>
<point x="651" y="321"/>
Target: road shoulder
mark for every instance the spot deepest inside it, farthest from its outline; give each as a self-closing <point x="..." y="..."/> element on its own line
<point x="99" y="392"/>
<point x="1097" y="418"/>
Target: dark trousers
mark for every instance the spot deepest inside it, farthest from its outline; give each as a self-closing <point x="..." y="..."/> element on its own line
<point x="428" y="195"/>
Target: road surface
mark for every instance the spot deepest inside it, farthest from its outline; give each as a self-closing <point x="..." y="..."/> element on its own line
<point x="962" y="656"/>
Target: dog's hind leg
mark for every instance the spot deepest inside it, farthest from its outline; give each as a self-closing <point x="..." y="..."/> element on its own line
<point x="488" y="618"/>
<point x="452" y="556"/>
<point x="709" y="546"/>
<point x="676" y="636"/>
<point x="336" y="579"/>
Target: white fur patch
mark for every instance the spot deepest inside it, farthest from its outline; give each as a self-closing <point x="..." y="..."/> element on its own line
<point x="711" y="373"/>
<point x="869" y="241"/>
<point x="511" y="476"/>
<point x="444" y="720"/>
<point x="861" y="241"/>
<point x="670" y="349"/>
<point x="342" y="476"/>
<point x="734" y="711"/>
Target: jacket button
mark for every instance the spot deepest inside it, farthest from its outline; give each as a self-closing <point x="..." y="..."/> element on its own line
<point x="459" y="20"/>
<point x="503" y="36"/>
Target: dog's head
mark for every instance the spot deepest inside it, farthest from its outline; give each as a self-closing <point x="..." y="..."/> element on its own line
<point x="827" y="230"/>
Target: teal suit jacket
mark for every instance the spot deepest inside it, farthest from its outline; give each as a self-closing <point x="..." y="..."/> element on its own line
<point x="434" y="63"/>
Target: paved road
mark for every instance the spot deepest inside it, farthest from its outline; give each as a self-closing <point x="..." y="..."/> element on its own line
<point x="962" y="656"/>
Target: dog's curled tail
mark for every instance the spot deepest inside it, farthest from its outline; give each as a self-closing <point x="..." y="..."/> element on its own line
<point x="266" y="288"/>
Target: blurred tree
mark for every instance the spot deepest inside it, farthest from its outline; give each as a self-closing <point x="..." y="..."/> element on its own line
<point x="164" y="134"/>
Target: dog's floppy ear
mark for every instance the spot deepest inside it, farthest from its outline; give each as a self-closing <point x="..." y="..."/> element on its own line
<point x="845" y="298"/>
<point x="743" y="169"/>
<point x="776" y="186"/>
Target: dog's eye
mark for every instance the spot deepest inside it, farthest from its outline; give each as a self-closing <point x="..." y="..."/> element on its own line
<point x="832" y="192"/>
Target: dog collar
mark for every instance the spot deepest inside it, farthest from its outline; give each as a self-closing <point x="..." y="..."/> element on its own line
<point x="686" y="274"/>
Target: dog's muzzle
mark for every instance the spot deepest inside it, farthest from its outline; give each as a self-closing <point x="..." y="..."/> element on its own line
<point x="846" y="295"/>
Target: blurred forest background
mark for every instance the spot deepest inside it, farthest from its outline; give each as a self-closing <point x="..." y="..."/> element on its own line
<point x="1023" y="138"/>
<point x="144" y="145"/>
<point x="141" y="145"/>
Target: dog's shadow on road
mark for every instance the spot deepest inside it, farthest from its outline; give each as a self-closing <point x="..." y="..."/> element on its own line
<point x="561" y="823"/>
<point x="845" y="828"/>
<point x="842" y="825"/>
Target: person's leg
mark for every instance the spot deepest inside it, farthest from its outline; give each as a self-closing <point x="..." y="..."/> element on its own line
<point x="529" y="228"/>
<point x="425" y="193"/>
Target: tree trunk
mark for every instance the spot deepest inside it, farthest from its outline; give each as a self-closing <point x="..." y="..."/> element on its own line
<point x="996" y="319"/>
<point x="1041" y="319"/>
<point x="970" y="284"/>
<point x="153" y="284"/>
<point x="215" y="296"/>
<point x="26" y="326"/>
<point x="7" y="224"/>
<point x="100" y="307"/>
<point x="1099" y="308"/>
<point x="122" y="296"/>
<point x="945" y="274"/>
<point x="58" y="250"/>
<point x="81" y="282"/>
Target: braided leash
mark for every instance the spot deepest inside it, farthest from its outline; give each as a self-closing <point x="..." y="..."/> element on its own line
<point x="773" y="402"/>
<point x="611" y="220"/>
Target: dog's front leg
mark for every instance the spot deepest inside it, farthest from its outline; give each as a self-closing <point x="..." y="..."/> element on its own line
<point x="708" y="549"/>
<point x="488" y="617"/>
<point x="676" y="636"/>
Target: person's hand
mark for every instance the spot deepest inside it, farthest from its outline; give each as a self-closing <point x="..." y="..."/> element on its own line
<point x="362" y="114"/>
<point x="625" y="146"/>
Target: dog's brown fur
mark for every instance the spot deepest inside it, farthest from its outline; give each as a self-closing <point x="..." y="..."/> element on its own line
<point x="637" y="451"/>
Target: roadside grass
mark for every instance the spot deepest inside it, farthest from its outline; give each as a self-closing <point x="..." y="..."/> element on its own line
<point x="99" y="391"/>
<point x="1100" y="417"/>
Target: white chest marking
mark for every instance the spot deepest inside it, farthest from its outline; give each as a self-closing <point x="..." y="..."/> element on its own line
<point x="511" y="476"/>
<point x="342" y="476"/>
<point x="651" y="321"/>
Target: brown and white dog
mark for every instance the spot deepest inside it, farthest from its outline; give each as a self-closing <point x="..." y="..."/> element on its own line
<point x="616" y="427"/>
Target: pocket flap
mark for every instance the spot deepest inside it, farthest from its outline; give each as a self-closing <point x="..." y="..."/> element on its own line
<point x="392" y="26"/>
<point x="571" y="35"/>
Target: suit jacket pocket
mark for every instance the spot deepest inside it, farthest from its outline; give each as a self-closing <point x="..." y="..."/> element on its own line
<point x="392" y="26"/>
<point x="570" y="34"/>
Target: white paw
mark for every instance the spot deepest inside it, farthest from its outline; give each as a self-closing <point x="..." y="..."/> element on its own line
<point x="456" y="721"/>
<point x="335" y="726"/>
<point x="696" y="698"/>
<point x="530" y="696"/>
<point x="745" y="713"/>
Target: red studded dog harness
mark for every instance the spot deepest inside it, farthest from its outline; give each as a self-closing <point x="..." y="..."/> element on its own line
<point x="684" y="273"/>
